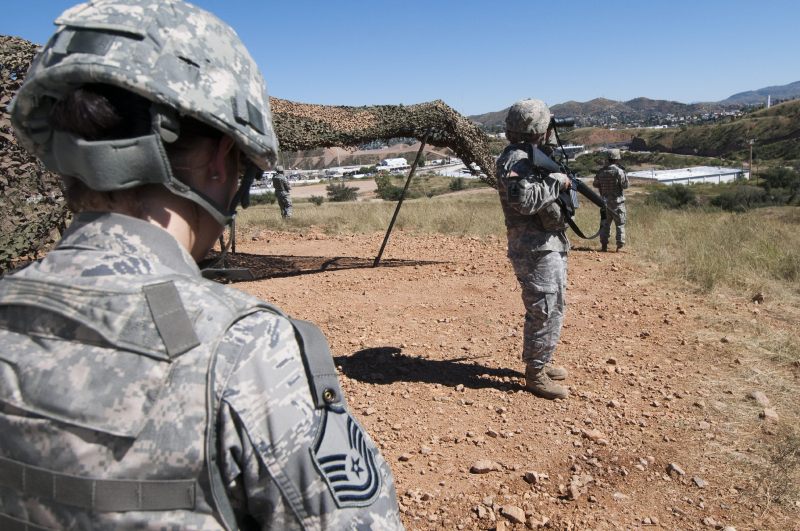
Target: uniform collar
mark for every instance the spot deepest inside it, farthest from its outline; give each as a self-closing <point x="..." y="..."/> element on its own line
<point x="118" y="234"/>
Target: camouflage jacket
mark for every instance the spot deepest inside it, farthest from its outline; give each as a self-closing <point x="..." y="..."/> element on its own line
<point x="611" y="180"/>
<point x="534" y="221"/>
<point x="281" y="183"/>
<point x="135" y="394"/>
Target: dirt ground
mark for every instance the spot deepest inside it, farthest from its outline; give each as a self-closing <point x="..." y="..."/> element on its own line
<point x="659" y="430"/>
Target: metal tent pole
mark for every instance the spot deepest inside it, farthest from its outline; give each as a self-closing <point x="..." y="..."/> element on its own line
<point x="400" y="201"/>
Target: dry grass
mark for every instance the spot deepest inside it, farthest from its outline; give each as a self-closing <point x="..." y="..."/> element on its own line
<point x="758" y="250"/>
<point x="755" y="251"/>
<point x="471" y="214"/>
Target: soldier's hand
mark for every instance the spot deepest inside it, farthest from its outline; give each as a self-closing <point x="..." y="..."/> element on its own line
<point x="563" y="179"/>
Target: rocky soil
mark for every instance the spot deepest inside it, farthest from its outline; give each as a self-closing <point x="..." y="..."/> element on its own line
<point x="672" y="417"/>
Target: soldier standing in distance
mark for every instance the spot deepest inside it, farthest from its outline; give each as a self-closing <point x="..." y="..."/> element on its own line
<point x="537" y="242"/>
<point x="134" y="393"/>
<point x="282" y="190"/>
<point x="611" y="180"/>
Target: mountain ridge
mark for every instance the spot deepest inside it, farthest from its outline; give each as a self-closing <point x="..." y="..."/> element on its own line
<point x="645" y="110"/>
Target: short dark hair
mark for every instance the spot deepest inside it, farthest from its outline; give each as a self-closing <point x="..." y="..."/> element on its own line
<point x="105" y="112"/>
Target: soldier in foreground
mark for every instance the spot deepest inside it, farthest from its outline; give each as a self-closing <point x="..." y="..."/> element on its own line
<point x="133" y="393"/>
<point x="537" y="242"/>
<point x="611" y="180"/>
<point x="282" y="191"/>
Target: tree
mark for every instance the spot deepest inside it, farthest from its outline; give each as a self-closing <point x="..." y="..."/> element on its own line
<point x="386" y="190"/>
<point x="339" y="192"/>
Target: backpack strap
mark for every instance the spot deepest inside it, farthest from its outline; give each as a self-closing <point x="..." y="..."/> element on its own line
<point x="318" y="361"/>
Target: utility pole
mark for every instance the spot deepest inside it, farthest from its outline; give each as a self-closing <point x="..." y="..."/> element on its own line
<point x="750" y="166"/>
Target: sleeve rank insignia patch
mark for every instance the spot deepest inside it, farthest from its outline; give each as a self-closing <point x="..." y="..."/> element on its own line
<point x="344" y="460"/>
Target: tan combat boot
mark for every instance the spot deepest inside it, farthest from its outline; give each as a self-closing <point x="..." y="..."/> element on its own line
<point x="538" y="383"/>
<point x="555" y="372"/>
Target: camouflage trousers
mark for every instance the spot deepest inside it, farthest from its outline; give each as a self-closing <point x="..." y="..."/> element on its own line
<point x="542" y="276"/>
<point x="285" y="202"/>
<point x="618" y="210"/>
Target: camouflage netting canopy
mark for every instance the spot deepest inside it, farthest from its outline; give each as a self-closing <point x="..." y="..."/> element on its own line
<point x="34" y="207"/>
<point x="302" y="126"/>
<point x="30" y="196"/>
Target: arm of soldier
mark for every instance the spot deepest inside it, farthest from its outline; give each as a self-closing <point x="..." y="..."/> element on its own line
<point x="623" y="178"/>
<point x="250" y="374"/>
<point x="535" y="194"/>
<point x="271" y="434"/>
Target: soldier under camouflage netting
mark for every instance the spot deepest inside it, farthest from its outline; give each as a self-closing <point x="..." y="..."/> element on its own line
<point x="537" y="242"/>
<point x="611" y="180"/>
<point x="134" y="393"/>
<point x="282" y="192"/>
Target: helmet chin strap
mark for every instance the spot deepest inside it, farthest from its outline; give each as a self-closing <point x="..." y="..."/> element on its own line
<point x="167" y="127"/>
<point x="122" y="164"/>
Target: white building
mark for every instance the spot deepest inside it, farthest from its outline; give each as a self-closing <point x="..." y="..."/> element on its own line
<point x="697" y="174"/>
<point x="392" y="164"/>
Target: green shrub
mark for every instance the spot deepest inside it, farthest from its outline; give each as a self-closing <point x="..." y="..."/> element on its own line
<point x="743" y="198"/>
<point x="267" y="198"/>
<point x="675" y="196"/>
<point x="782" y="182"/>
<point x="781" y="178"/>
<point x="457" y="184"/>
<point x="316" y="199"/>
<point x="386" y="190"/>
<point x="339" y="192"/>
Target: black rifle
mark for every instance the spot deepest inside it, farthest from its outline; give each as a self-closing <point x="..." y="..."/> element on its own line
<point x="568" y="199"/>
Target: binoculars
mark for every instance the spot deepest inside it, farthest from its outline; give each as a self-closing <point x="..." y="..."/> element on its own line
<point x="562" y="122"/>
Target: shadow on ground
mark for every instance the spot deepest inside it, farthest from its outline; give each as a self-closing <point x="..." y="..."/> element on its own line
<point x="235" y="267"/>
<point x="385" y="365"/>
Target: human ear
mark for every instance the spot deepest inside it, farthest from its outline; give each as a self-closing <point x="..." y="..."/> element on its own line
<point x="220" y="161"/>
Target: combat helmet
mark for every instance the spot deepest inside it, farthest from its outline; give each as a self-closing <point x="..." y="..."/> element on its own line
<point x="184" y="60"/>
<point x="614" y="154"/>
<point x="528" y="116"/>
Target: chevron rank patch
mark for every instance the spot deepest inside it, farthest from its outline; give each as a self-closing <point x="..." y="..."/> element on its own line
<point x="343" y="458"/>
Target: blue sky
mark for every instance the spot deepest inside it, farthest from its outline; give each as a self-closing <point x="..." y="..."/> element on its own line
<point x="481" y="56"/>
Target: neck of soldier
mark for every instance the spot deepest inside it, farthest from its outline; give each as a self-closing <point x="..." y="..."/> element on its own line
<point x="193" y="228"/>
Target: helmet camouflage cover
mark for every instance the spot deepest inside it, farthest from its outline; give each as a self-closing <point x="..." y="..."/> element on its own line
<point x="528" y="116"/>
<point x="182" y="58"/>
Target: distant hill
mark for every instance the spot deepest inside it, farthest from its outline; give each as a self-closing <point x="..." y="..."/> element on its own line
<point x="776" y="132"/>
<point x="491" y="120"/>
<point x="777" y="92"/>
<point x="645" y="111"/>
<point x="602" y="110"/>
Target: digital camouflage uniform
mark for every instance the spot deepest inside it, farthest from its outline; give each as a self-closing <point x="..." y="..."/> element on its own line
<point x="537" y="248"/>
<point x="282" y="194"/>
<point x="120" y="362"/>
<point x="134" y="394"/>
<point x="611" y="180"/>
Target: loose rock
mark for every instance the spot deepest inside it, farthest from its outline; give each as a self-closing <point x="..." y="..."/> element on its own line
<point x="769" y="414"/>
<point x="531" y="477"/>
<point x="484" y="466"/>
<point x="595" y="436"/>
<point x="674" y="467"/>
<point x="620" y="497"/>
<point x="513" y="513"/>
<point x="760" y="398"/>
